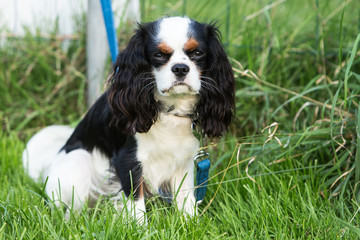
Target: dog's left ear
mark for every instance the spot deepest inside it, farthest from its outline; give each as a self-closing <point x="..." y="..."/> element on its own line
<point x="130" y="94"/>
<point x="216" y="105"/>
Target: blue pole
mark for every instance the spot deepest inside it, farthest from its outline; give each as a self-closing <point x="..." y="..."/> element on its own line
<point x="110" y="28"/>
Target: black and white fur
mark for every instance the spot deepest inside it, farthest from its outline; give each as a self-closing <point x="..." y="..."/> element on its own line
<point x="138" y="134"/>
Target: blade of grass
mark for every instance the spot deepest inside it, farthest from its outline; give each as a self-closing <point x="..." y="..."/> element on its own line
<point x="341" y="33"/>
<point x="334" y="101"/>
<point x="357" y="157"/>
<point x="349" y="65"/>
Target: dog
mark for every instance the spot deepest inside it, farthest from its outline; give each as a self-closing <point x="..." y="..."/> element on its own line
<point x="137" y="138"/>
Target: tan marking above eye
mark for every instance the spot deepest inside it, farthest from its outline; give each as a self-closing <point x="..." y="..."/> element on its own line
<point x="165" y="48"/>
<point x="191" y="45"/>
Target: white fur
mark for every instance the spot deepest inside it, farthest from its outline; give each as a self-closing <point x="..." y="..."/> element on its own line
<point x="72" y="178"/>
<point x="173" y="154"/>
<point x="174" y="33"/>
<point x="43" y="147"/>
<point x="157" y="149"/>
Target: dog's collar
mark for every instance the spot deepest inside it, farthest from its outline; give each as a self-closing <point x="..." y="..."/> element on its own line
<point x="170" y="110"/>
<point x="191" y="116"/>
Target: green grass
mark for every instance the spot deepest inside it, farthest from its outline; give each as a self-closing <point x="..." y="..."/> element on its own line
<point x="296" y="64"/>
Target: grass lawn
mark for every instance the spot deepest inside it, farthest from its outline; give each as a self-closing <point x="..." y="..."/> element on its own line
<point x="289" y="167"/>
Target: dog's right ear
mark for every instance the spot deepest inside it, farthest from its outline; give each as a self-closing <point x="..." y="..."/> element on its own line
<point x="131" y="90"/>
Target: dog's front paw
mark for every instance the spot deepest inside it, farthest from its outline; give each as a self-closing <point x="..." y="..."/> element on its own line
<point x="140" y="216"/>
<point x="187" y="205"/>
<point x="131" y="209"/>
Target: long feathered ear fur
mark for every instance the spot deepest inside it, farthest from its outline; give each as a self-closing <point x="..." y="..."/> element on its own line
<point x="130" y="94"/>
<point x="216" y="105"/>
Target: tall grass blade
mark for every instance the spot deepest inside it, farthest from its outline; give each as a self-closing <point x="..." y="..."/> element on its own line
<point x="184" y="8"/>
<point x="317" y="25"/>
<point x="357" y="156"/>
<point x="341" y="33"/>
<point x="349" y="65"/>
<point x="334" y="102"/>
<point x="227" y="29"/>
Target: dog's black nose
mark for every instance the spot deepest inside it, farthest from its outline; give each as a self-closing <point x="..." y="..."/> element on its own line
<point x="180" y="70"/>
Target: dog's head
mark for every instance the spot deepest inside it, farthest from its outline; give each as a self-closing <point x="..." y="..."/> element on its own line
<point x="168" y="62"/>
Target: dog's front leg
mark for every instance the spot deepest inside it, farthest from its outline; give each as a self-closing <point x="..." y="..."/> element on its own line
<point x="129" y="172"/>
<point x="182" y="185"/>
<point x="132" y="207"/>
<point x="135" y="205"/>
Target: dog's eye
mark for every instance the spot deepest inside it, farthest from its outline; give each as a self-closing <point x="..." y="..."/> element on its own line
<point x="196" y="54"/>
<point x="158" y="55"/>
<point x="161" y="57"/>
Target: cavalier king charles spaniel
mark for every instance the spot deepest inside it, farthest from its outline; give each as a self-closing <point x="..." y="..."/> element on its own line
<point x="137" y="138"/>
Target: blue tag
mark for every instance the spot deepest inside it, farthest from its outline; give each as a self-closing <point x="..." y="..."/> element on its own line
<point x="202" y="176"/>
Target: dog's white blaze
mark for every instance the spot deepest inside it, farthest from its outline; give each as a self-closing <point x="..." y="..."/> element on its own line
<point x="174" y="32"/>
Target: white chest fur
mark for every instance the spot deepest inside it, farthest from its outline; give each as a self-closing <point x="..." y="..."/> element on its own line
<point x="169" y="146"/>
